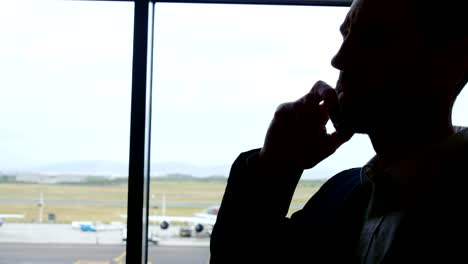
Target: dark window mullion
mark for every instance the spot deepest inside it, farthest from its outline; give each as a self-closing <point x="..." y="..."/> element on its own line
<point x="137" y="227"/>
<point x="138" y="185"/>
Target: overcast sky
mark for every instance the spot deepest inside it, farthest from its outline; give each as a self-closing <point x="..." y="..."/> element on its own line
<point x="219" y="73"/>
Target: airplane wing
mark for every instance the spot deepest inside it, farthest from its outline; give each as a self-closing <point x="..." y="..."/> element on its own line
<point x="191" y="219"/>
<point x="11" y="216"/>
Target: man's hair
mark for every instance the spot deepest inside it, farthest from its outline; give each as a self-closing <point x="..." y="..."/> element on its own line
<point x="443" y="22"/>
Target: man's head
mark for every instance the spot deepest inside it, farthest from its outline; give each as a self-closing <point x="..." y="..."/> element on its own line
<point x="402" y="63"/>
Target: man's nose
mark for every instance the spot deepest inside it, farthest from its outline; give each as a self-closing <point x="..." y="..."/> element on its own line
<point x="342" y="57"/>
<point x="336" y="61"/>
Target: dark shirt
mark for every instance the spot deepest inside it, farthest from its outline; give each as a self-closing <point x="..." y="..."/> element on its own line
<point x="252" y="226"/>
<point x="402" y="187"/>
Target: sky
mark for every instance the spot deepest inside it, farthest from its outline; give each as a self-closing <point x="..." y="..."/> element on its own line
<point x="220" y="71"/>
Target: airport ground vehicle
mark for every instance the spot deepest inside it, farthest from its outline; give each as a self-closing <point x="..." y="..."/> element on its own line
<point x="185" y="232"/>
<point x="152" y="237"/>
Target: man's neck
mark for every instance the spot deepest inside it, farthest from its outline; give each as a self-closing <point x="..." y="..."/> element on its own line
<point x="392" y="146"/>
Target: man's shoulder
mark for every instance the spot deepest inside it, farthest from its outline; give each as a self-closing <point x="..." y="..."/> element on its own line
<point x="347" y="179"/>
<point x="341" y="186"/>
<point x="339" y="192"/>
<point x="332" y="218"/>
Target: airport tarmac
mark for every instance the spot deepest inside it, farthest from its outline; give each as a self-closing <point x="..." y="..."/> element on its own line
<point x="96" y="254"/>
<point x="59" y="243"/>
<point x="65" y="234"/>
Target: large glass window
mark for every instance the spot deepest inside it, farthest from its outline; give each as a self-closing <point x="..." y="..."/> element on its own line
<point x="65" y="91"/>
<point x="219" y="72"/>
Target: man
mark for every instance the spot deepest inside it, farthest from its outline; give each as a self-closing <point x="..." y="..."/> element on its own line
<point x="402" y="64"/>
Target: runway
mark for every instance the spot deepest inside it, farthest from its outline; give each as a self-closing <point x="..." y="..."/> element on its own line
<point x="21" y="253"/>
<point x="121" y="203"/>
<point x="65" y="234"/>
<point x="60" y="243"/>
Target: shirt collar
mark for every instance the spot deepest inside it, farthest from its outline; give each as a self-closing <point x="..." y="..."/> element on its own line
<point x="410" y="183"/>
<point x="420" y="164"/>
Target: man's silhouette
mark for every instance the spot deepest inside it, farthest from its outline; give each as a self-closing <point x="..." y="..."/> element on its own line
<point x="402" y="64"/>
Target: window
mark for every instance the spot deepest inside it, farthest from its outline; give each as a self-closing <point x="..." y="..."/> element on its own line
<point x="219" y="73"/>
<point x="70" y="119"/>
<point x="64" y="130"/>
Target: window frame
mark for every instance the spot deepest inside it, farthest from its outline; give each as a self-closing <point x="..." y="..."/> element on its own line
<point x="140" y="115"/>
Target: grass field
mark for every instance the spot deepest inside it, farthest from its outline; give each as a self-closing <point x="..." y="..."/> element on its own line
<point x="190" y="191"/>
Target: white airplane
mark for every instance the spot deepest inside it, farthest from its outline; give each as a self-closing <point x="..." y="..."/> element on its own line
<point x="200" y="221"/>
<point x="91" y="226"/>
<point x="4" y="216"/>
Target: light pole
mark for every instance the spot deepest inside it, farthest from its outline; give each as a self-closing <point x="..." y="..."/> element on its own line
<point x="41" y="206"/>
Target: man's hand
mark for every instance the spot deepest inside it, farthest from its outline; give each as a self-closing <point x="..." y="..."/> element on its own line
<point x="297" y="136"/>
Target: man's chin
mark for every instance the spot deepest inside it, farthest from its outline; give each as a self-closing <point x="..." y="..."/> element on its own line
<point x="354" y="125"/>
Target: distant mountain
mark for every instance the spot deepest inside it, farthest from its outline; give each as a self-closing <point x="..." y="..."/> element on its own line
<point x="166" y="168"/>
<point x="84" y="167"/>
<point x="119" y="169"/>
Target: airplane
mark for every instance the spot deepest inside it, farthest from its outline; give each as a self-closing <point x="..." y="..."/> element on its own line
<point x="199" y="222"/>
<point x="3" y="216"/>
<point x="90" y="226"/>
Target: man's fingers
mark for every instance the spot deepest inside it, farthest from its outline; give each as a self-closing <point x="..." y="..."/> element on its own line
<point x="309" y="107"/>
<point x="316" y="94"/>
<point x="324" y="92"/>
<point x="329" y="96"/>
<point x="321" y="91"/>
<point x="323" y="115"/>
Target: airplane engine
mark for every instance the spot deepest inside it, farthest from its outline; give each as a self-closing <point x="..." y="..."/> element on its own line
<point x="164" y="225"/>
<point x="198" y="228"/>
